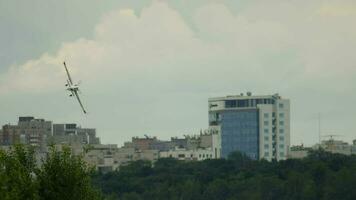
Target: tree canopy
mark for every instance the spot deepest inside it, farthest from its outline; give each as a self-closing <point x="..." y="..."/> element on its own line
<point x="61" y="175"/>
<point x="321" y="175"/>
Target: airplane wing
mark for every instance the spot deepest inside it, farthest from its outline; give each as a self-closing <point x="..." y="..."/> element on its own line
<point x="69" y="78"/>
<point x="81" y="105"/>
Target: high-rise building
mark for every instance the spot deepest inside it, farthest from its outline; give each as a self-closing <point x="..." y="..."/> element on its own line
<point x="71" y="133"/>
<point x="28" y="131"/>
<point x="36" y="131"/>
<point x="258" y="126"/>
<point x="10" y="135"/>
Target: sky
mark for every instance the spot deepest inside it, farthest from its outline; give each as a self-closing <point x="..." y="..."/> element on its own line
<point x="149" y="67"/>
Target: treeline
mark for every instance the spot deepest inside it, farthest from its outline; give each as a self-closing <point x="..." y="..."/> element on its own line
<point x="61" y="176"/>
<point x="321" y="175"/>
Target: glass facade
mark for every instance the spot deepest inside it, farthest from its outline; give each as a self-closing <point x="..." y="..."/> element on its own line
<point x="244" y="103"/>
<point x="240" y="121"/>
<point x="240" y="132"/>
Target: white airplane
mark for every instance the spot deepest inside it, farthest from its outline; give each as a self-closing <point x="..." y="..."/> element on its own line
<point x="73" y="88"/>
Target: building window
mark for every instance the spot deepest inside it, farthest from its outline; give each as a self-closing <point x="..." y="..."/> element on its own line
<point x="266" y="131"/>
<point x="281" y="130"/>
<point x="266" y="154"/>
<point x="266" y="138"/>
<point x="281" y="123"/>
<point x="281" y="105"/>
<point x="266" y="115"/>
<point x="242" y="103"/>
<point x="281" y="115"/>
<point x="266" y="123"/>
<point x="281" y="138"/>
<point x="266" y="146"/>
<point x="281" y="154"/>
<point x="273" y="114"/>
<point x="230" y="103"/>
<point x="281" y="146"/>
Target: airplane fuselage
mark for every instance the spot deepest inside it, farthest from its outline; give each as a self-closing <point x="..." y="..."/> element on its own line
<point x="72" y="88"/>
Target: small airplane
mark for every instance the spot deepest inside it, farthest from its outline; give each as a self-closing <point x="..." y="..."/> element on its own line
<point x="73" y="88"/>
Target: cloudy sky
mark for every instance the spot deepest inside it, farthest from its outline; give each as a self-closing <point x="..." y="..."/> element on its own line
<point x="149" y="67"/>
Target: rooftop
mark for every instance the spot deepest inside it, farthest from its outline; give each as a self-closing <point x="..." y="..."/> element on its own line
<point x="248" y="95"/>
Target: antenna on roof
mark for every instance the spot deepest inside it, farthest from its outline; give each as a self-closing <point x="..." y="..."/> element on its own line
<point x="319" y="128"/>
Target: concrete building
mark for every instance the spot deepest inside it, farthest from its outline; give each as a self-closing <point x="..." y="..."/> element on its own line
<point x="35" y="131"/>
<point x="71" y="133"/>
<point x="188" y="155"/>
<point x="337" y="146"/>
<point x="258" y="126"/>
<point x="109" y="157"/>
<point x="298" y="152"/>
<point x="331" y="145"/>
<point x="10" y="134"/>
<point x="152" y="143"/>
<point x="27" y="131"/>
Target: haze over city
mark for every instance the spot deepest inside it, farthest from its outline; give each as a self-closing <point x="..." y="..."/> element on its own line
<point x="149" y="67"/>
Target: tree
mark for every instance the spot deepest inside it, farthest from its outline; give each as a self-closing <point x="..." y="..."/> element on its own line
<point x="17" y="172"/>
<point x="341" y="185"/>
<point x="65" y="176"/>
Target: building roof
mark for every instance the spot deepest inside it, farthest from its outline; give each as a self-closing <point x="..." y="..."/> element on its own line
<point x="242" y="96"/>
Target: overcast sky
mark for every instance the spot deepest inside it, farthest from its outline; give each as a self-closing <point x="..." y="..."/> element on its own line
<point x="149" y="67"/>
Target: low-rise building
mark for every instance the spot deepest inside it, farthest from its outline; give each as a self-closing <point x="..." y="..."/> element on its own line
<point x="331" y="145"/>
<point x="188" y="155"/>
<point x="109" y="157"/>
<point x="298" y="152"/>
<point x="337" y="146"/>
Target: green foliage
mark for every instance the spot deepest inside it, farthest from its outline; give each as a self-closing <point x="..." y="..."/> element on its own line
<point x="65" y="176"/>
<point x="319" y="176"/>
<point x="61" y="176"/>
<point x="17" y="172"/>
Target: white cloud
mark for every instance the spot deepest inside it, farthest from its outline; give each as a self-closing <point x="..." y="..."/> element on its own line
<point x="148" y="70"/>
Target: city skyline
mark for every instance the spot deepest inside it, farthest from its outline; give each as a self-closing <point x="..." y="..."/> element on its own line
<point x="150" y="67"/>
